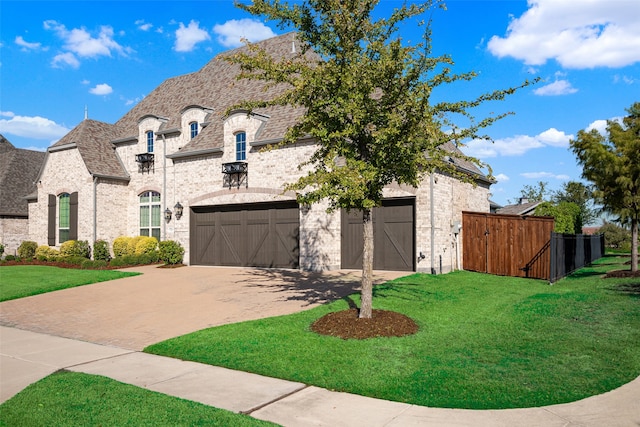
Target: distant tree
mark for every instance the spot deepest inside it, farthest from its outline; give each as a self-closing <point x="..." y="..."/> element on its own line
<point x="566" y="216"/>
<point x="612" y="163"/>
<point x="533" y="193"/>
<point x="580" y="194"/>
<point x="366" y="96"/>
<point x="616" y="237"/>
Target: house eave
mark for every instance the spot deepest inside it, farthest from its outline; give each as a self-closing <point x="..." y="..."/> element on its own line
<point x="194" y="153"/>
<point x="126" y="140"/>
<point x="176" y="131"/>
<point x="68" y="146"/>
<point x="116" y="178"/>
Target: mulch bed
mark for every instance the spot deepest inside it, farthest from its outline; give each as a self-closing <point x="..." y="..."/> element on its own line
<point x="346" y="325"/>
<point x="622" y="274"/>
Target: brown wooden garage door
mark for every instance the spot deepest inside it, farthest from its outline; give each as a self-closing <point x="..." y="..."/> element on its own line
<point x="393" y="233"/>
<point x="254" y="235"/>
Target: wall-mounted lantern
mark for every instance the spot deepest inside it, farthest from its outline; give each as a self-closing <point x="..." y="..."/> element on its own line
<point x="178" y="209"/>
<point x="167" y="214"/>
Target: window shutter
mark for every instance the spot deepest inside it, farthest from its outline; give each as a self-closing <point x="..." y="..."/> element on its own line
<point x="51" y="221"/>
<point x="73" y="216"/>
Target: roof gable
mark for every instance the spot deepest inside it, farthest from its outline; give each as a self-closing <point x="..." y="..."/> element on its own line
<point x="93" y="139"/>
<point x="19" y="169"/>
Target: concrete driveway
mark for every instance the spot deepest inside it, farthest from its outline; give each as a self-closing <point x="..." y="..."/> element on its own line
<point x="134" y="312"/>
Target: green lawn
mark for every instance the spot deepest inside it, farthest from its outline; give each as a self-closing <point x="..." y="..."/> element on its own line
<point x="21" y="281"/>
<point x="75" y="399"/>
<point x="484" y="342"/>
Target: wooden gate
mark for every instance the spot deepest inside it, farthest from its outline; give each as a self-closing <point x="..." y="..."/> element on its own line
<point x="507" y="245"/>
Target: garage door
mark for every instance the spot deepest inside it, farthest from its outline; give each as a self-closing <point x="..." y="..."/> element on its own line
<point x="253" y="235"/>
<point x="393" y="233"/>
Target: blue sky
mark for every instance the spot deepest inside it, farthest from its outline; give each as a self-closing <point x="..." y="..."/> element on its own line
<point x="56" y="57"/>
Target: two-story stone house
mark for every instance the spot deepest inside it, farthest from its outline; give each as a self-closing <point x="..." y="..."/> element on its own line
<point x="178" y="154"/>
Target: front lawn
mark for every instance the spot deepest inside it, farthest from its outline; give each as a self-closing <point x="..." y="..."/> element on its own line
<point x="484" y="342"/>
<point x="76" y="399"/>
<point x="21" y="281"/>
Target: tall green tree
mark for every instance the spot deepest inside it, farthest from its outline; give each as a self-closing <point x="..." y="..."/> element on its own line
<point x="533" y="193"/>
<point x="580" y="194"/>
<point x="366" y="96"/>
<point x="612" y="163"/>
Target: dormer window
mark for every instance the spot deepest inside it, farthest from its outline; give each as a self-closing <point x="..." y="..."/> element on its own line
<point x="241" y="146"/>
<point x="150" y="141"/>
<point x="193" y="127"/>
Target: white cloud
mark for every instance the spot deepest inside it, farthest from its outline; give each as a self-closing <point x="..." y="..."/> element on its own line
<point x="576" y="33"/>
<point x="26" y="46"/>
<point x="144" y="26"/>
<point x="65" y="58"/>
<point x="601" y="125"/>
<point x="79" y="42"/>
<point x="188" y="37"/>
<point x="101" y="89"/>
<point x="516" y="145"/>
<point x="545" y="175"/>
<point x="501" y="177"/>
<point x="231" y="33"/>
<point x="559" y="87"/>
<point x="31" y="127"/>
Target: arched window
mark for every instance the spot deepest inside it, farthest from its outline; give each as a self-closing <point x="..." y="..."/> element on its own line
<point x="193" y="127"/>
<point x="150" y="214"/>
<point x="150" y="141"/>
<point x="241" y="146"/>
<point x="64" y="216"/>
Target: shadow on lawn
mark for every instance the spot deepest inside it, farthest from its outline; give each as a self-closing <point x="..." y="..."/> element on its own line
<point x="314" y="288"/>
<point x="631" y="289"/>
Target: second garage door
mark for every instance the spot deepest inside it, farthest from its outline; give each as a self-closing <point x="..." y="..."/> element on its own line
<point x="393" y="233"/>
<point x="252" y="235"/>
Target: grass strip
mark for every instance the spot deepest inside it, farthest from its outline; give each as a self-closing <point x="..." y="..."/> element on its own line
<point x="76" y="399"/>
<point x="485" y="342"/>
<point x="21" y="281"/>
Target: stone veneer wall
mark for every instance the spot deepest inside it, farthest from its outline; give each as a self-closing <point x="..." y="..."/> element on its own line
<point x="13" y="231"/>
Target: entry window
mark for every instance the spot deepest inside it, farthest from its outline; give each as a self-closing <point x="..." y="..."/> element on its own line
<point x="241" y="146"/>
<point x="150" y="141"/>
<point x="150" y="214"/>
<point x="64" y="213"/>
<point x="193" y="127"/>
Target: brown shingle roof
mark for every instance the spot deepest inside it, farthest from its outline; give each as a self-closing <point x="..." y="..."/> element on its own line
<point x="215" y="87"/>
<point x="93" y="140"/>
<point x="18" y="170"/>
<point x="519" y="209"/>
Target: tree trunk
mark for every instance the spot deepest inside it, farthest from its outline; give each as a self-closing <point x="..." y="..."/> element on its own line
<point x="634" y="245"/>
<point x="366" y="294"/>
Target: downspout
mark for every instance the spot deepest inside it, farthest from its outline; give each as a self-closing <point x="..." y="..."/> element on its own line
<point x="164" y="187"/>
<point x="433" y="226"/>
<point x="95" y="209"/>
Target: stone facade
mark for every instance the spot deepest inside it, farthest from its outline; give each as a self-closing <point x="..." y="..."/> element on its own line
<point x="13" y="231"/>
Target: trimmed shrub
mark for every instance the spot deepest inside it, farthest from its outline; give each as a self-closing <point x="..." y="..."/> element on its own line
<point x="27" y="249"/>
<point x="133" y="243"/>
<point x="1" y="249"/>
<point x="145" y="245"/>
<point x="101" y="251"/>
<point x="121" y="246"/>
<point x="76" y="248"/>
<point x="10" y="258"/>
<point x="88" y="264"/>
<point x="171" y="252"/>
<point x="46" y="253"/>
<point x="71" y="260"/>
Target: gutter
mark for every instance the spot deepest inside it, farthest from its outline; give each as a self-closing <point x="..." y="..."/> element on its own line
<point x="433" y="225"/>
<point x="194" y="153"/>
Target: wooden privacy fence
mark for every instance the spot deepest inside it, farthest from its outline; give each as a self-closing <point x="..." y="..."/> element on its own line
<point x="524" y="246"/>
<point x="507" y="245"/>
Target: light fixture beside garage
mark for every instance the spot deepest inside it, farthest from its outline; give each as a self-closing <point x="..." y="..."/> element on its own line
<point x="167" y="214"/>
<point x="178" y="209"/>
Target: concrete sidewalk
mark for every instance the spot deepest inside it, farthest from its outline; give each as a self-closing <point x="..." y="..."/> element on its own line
<point x="26" y="357"/>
